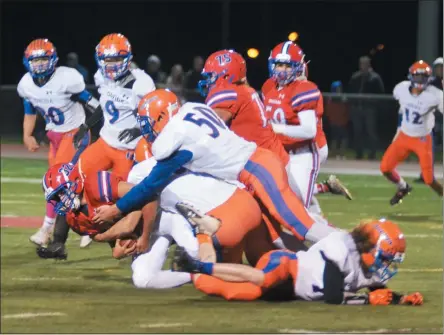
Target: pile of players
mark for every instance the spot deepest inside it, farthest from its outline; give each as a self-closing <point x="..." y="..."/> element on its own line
<point x="233" y="176"/>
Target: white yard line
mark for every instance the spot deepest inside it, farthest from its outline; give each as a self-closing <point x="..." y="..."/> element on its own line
<point x="5" y="180"/>
<point x="165" y="325"/>
<point x="19" y="202"/>
<point x="44" y="278"/>
<point x="31" y="315"/>
<point x="374" y="331"/>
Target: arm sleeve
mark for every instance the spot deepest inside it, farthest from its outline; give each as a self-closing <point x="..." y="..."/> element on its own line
<point x="224" y="99"/>
<point x="333" y="283"/>
<point x="159" y="177"/>
<point x="29" y="109"/>
<point x="306" y="129"/>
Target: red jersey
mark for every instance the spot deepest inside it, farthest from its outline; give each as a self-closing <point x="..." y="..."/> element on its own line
<point x="283" y="105"/>
<point x="248" y="116"/>
<point x="99" y="189"/>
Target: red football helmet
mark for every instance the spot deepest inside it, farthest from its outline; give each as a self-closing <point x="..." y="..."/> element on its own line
<point x="389" y="248"/>
<point x="63" y="185"/>
<point x="220" y="66"/>
<point x="420" y="74"/>
<point x="290" y="54"/>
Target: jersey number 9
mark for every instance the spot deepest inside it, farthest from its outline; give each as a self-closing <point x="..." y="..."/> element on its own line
<point x="111" y="109"/>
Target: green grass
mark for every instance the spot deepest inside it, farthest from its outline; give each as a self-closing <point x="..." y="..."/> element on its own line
<point x="95" y="294"/>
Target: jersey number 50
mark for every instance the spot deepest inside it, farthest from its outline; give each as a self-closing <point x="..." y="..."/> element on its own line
<point x="207" y="118"/>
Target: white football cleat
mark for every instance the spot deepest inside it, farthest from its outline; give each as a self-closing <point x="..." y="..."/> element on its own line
<point x="42" y="237"/>
<point x="85" y="241"/>
<point x="205" y="224"/>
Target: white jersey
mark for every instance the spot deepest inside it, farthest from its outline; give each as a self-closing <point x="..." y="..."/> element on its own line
<point x="119" y="99"/>
<point x="216" y="149"/>
<point x="417" y="111"/>
<point x="53" y="100"/>
<point x="203" y="192"/>
<point x="340" y="248"/>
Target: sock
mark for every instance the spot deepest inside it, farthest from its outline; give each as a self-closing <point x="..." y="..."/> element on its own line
<point x="48" y="223"/>
<point x="61" y="229"/>
<point x="320" y="188"/>
<point x="50" y="211"/>
<point x="395" y="178"/>
<point x="205" y="268"/>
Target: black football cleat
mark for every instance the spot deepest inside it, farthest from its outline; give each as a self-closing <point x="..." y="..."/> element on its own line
<point x="401" y="194"/>
<point x="182" y="262"/>
<point x="55" y="250"/>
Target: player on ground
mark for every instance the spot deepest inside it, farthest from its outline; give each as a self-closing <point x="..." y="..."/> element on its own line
<point x="418" y="100"/>
<point x="59" y="95"/>
<point x="334" y="269"/>
<point x="121" y="89"/>
<point x="194" y="137"/>
<point x="295" y="108"/>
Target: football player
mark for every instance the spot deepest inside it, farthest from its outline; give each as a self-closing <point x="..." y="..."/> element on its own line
<point x="295" y="107"/>
<point x="59" y="95"/>
<point x="333" y="270"/>
<point x="194" y="137"/>
<point x="120" y="89"/>
<point x="418" y="100"/>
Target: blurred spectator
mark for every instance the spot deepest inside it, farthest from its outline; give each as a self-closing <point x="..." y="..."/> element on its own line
<point x="72" y="60"/>
<point x="336" y="111"/>
<point x="192" y="77"/>
<point x="437" y="130"/>
<point x="175" y="81"/>
<point x="364" y="111"/>
<point x="153" y="69"/>
<point x="437" y="73"/>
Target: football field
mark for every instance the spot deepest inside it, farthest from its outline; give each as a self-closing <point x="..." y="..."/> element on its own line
<point x="93" y="293"/>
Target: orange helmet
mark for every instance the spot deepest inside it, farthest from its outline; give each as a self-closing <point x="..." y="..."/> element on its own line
<point x="40" y="58"/>
<point x="389" y="248"/>
<point x="220" y="66"/>
<point x="420" y="74"/>
<point x="113" y="56"/>
<point x="155" y="111"/>
<point x="62" y="185"/>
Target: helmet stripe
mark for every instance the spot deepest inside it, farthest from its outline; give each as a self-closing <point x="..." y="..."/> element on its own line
<point x="286" y="46"/>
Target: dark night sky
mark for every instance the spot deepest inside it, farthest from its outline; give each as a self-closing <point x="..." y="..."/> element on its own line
<point x="332" y="34"/>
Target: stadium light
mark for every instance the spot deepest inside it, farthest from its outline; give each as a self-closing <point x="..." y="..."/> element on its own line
<point x="293" y="36"/>
<point x="253" y="52"/>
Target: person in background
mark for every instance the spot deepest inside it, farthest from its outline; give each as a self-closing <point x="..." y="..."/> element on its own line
<point x="153" y="65"/>
<point x="72" y="60"/>
<point x="364" y="112"/>
<point x="336" y="111"/>
<point x="175" y="81"/>
<point x="436" y="81"/>
<point x="192" y="77"/>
